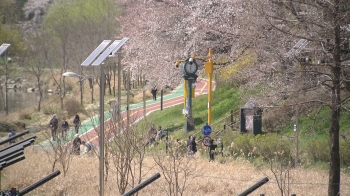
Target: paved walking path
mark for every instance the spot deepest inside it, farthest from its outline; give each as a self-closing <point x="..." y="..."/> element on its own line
<point x="89" y="128"/>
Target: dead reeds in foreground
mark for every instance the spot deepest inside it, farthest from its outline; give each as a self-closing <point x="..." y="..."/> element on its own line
<point x="205" y="178"/>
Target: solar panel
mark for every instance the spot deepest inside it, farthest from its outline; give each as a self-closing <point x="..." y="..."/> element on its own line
<point x="3" y="48"/>
<point x="297" y="48"/>
<point x="96" y="52"/>
<point x="105" y="54"/>
<point x="123" y="41"/>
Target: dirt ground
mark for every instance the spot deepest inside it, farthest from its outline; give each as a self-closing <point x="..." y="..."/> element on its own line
<point x="196" y="176"/>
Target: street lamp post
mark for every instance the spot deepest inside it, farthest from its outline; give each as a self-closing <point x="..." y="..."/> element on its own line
<point x="81" y="79"/>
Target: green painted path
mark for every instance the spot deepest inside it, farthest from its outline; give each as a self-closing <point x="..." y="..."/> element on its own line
<point x="89" y="124"/>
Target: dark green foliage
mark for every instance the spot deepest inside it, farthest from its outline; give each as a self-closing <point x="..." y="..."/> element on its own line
<point x="242" y="145"/>
<point x="272" y="146"/>
<point x="345" y="153"/>
<point x="317" y="150"/>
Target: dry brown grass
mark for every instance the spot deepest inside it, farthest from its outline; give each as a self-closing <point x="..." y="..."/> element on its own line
<point x="213" y="178"/>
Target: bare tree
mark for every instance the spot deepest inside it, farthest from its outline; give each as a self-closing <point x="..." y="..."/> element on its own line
<point x="37" y="59"/>
<point x="325" y="26"/>
<point x="59" y="153"/>
<point x="176" y="168"/>
<point x="127" y="151"/>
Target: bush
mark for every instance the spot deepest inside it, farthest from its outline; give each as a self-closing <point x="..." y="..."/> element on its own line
<point x="72" y="106"/>
<point x="25" y="116"/>
<point x="272" y="146"/>
<point x="344" y="153"/>
<point x="317" y="150"/>
<point x="49" y="110"/>
<point x="242" y="145"/>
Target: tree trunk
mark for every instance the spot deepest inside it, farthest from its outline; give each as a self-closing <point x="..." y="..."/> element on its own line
<point x="334" y="164"/>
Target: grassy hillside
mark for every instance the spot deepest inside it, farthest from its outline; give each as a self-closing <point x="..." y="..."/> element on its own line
<point x="313" y="130"/>
<point x="225" y="99"/>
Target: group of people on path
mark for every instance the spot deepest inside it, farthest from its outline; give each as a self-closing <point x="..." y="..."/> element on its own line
<point x="192" y="147"/>
<point x="77" y="142"/>
<point x="64" y="126"/>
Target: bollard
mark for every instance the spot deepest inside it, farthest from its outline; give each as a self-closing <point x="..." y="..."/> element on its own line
<point x="293" y="194"/>
<point x="166" y="142"/>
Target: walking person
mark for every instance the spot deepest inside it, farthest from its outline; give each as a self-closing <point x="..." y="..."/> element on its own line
<point x="76" y="145"/>
<point x="54" y="126"/>
<point x="154" y="93"/>
<point x="11" y="134"/>
<point x="212" y="148"/>
<point x="64" y="127"/>
<point x="76" y="123"/>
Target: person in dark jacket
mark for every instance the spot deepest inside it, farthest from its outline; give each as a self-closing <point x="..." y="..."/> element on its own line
<point x="76" y="145"/>
<point x="64" y="127"/>
<point x="76" y="123"/>
<point x="54" y="126"/>
<point x="212" y="148"/>
<point x="11" y="134"/>
<point x="192" y="145"/>
<point x="154" y="93"/>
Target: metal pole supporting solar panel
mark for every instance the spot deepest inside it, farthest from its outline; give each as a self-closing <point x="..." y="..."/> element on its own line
<point x="88" y="62"/>
<point x="101" y="54"/>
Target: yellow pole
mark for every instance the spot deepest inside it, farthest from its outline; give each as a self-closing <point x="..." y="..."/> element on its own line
<point x="185" y="92"/>
<point x="209" y="70"/>
<point x="210" y="98"/>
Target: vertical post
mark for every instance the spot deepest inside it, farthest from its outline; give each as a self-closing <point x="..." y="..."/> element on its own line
<point x="166" y="140"/>
<point x="296" y="137"/>
<point x="297" y="125"/>
<point x="185" y="92"/>
<point x="102" y="146"/>
<point x="189" y="125"/>
<point x="92" y="90"/>
<point x="114" y="70"/>
<point x="161" y="99"/>
<point x="209" y="70"/>
<point x="81" y="90"/>
<point x="119" y="88"/>
<point x="210" y="99"/>
<point x="231" y="117"/>
<point x="128" y="99"/>
<point x="144" y="103"/>
<point x="6" y="91"/>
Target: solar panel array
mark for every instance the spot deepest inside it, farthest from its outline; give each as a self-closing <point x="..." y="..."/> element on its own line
<point x="103" y="51"/>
